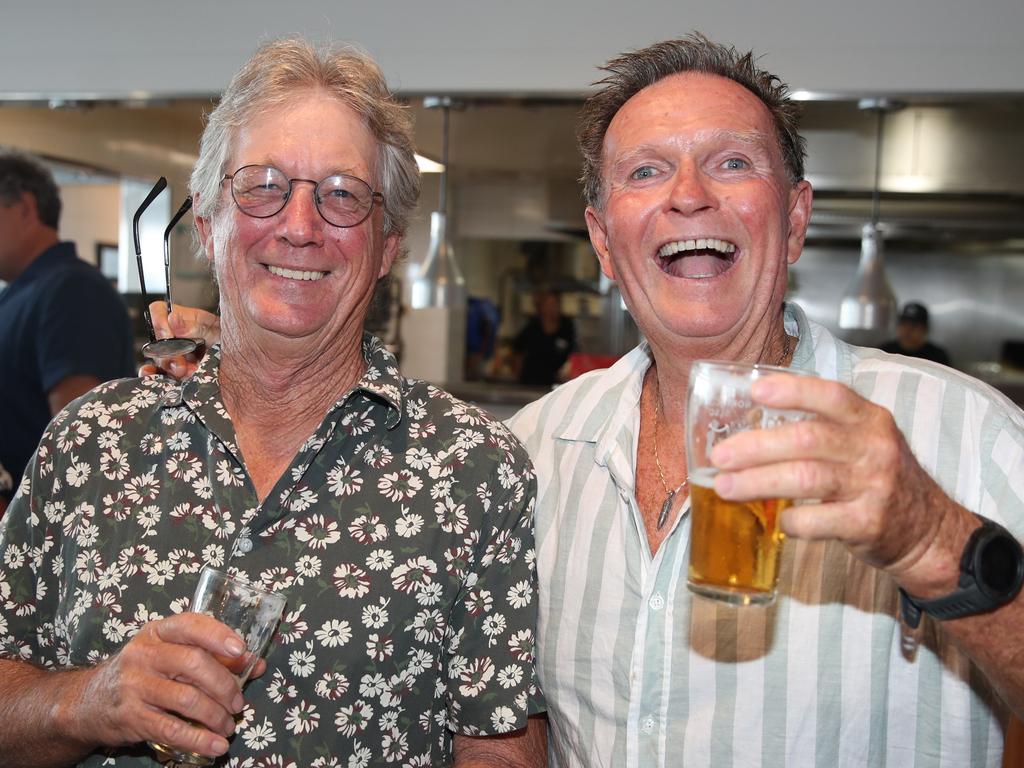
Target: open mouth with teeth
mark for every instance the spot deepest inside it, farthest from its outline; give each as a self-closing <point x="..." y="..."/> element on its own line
<point x="695" y="259"/>
<point x="295" y="274"/>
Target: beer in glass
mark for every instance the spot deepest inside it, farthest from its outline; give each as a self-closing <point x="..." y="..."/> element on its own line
<point x="734" y="545"/>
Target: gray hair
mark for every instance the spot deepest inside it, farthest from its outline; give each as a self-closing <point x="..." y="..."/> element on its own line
<point x="631" y="72"/>
<point x="19" y="174"/>
<point x="282" y="70"/>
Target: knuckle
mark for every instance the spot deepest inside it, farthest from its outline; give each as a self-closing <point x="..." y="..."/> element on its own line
<point x="173" y="730"/>
<point x="187" y="699"/>
<point x="806" y="435"/>
<point x="806" y="478"/>
<point x="835" y="395"/>
<point x="193" y="660"/>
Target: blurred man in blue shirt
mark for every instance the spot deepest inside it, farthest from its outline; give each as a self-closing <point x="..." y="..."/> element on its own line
<point x="63" y="327"/>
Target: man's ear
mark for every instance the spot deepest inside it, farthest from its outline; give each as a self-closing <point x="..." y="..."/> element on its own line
<point x="204" y="228"/>
<point x="392" y="245"/>
<point x="801" y="202"/>
<point x="28" y="207"/>
<point x="599" y="239"/>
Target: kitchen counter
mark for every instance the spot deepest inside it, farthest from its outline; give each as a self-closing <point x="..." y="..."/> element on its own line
<point x="1009" y="381"/>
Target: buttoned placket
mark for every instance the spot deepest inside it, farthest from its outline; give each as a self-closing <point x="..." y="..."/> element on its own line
<point x="662" y="574"/>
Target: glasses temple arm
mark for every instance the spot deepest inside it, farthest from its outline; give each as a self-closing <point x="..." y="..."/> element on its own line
<point x="185" y="206"/>
<point x="159" y="187"/>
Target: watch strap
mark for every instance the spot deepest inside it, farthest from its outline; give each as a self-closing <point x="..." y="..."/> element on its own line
<point x="968" y="599"/>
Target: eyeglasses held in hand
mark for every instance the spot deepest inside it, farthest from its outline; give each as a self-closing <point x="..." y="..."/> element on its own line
<point x="262" y="191"/>
<point x="172" y="347"/>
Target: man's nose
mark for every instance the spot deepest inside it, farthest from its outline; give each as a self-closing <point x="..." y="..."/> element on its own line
<point x="302" y="223"/>
<point x="691" y="190"/>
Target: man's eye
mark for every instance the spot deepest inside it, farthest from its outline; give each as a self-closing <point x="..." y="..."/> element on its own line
<point x="736" y="164"/>
<point x="644" y="172"/>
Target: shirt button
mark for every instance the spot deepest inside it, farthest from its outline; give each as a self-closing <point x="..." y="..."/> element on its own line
<point x="657" y="602"/>
<point x="647" y="725"/>
<point x="244" y="545"/>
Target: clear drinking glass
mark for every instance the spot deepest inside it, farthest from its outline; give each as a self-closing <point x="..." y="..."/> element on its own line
<point x="734" y="545"/>
<point x="252" y="612"/>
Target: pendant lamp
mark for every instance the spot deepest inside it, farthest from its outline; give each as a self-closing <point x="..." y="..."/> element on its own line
<point x="868" y="303"/>
<point x="437" y="281"/>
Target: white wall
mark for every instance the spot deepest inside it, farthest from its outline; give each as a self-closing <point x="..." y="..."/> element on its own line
<point x="89" y="216"/>
<point x="124" y="47"/>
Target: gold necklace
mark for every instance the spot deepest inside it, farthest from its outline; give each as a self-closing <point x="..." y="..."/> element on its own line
<point x="670" y="493"/>
<point x="666" y="506"/>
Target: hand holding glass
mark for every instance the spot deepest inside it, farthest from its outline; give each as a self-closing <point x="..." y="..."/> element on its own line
<point x="734" y="545"/>
<point x="252" y="612"/>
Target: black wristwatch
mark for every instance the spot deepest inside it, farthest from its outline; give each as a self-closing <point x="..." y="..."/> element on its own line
<point x="991" y="575"/>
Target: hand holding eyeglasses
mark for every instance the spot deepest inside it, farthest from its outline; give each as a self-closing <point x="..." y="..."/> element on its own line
<point x="171" y="346"/>
<point x="182" y="322"/>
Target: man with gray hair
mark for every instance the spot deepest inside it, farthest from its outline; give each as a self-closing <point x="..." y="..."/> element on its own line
<point x="396" y="519"/>
<point x="894" y="639"/>
<point x="63" y="327"/>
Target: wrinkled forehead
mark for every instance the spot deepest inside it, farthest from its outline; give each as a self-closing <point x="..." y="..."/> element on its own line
<point x="689" y="108"/>
<point x="309" y="127"/>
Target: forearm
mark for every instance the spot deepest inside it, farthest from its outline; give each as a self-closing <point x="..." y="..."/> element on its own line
<point x="992" y="641"/>
<point x="987" y="638"/>
<point x="525" y="748"/>
<point x="37" y="724"/>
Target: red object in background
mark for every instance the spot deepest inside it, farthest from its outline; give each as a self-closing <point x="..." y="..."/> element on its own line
<point x="580" y="363"/>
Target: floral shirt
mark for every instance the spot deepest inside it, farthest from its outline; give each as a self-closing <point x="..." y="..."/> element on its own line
<point x="402" y="535"/>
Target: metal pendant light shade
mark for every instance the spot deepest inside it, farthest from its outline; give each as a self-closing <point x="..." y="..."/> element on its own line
<point x="437" y="281"/>
<point x="868" y="303"/>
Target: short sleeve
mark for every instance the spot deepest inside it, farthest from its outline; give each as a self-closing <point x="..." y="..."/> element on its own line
<point x="491" y="681"/>
<point x="24" y="550"/>
<point x="83" y="330"/>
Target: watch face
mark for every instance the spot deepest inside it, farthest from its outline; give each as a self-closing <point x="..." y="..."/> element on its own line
<point x="999" y="561"/>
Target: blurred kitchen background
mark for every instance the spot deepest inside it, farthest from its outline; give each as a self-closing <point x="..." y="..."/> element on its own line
<point x="111" y="95"/>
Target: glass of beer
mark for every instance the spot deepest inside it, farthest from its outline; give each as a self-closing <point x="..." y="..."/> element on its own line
<point x="734" y="545"/>
<point x="253" y="613"/>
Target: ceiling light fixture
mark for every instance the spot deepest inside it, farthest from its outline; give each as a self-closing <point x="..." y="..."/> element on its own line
<point x="868" y="303"/>
<point x="437" y="281"/>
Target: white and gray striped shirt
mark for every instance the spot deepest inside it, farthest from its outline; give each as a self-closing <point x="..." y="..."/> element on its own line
<point x="638" y="673"/>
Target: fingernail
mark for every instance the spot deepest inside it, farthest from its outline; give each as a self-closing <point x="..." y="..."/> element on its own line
<point x="721" y="456"/>
<point x="723" y="484"/>
<point x="218" y="746"/>
<point x="234" y="646"/>
<point x="238" y="703"/>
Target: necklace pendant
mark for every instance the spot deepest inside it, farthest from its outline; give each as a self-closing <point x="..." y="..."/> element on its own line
<point x="666" y="507"/>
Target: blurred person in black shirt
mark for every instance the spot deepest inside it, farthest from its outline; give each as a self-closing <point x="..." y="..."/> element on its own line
<point x="912" y="336"/>
<point x="543" y="346"/>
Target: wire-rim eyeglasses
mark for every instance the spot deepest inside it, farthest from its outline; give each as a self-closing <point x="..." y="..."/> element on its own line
<point x="262" y="191"/>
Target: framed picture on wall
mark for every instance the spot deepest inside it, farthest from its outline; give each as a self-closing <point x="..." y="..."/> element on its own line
<point x="106" y="260"/>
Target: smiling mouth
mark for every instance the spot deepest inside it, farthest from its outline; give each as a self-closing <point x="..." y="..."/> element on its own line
<point x="696" y="259"/>
<point x="295" y="274"/>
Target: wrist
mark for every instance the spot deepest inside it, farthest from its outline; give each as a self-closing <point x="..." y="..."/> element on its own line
<point x="68" y="712"/>
<point x="936" y="570"/>
<point x="991" y="576"/>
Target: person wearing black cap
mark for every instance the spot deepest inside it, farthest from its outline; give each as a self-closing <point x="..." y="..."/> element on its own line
<point x="912" y="336"/>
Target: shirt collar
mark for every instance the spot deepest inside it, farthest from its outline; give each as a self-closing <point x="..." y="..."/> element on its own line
<point x="623" y="383"/>
<point x="381" y="380"/>
<point x="55" y="254"/>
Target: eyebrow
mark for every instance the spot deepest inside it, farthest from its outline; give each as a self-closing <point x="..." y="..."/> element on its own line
<point x="338" y="170"/>
<point x="753" y="138"/>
